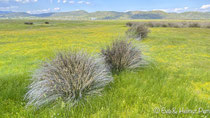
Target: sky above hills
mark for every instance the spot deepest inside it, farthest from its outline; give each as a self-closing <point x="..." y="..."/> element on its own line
<point x="46" y="6"/>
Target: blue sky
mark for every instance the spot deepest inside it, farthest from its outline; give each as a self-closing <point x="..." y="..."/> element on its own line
<point x="45" y="6"/>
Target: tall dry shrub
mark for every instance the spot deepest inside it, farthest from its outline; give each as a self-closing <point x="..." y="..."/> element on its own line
<point x="121" y="55"/>
<point x="138" y="31"/>
<point x="71" y="76"/>
<point x="194" y="24"/>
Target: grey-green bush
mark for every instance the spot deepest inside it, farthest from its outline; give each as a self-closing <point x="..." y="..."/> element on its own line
<point x="129" y="24"/>
<point x="137" y="31"/>
<point x="121" y="55"/>
<point x="71" y="76"/>
<point x="194" y="24"/>
<point x="171" y="24"/>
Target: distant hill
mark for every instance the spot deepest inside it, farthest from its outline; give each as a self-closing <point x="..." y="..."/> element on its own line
<point x="14" y="15"/>
<point x="5" y="12"/>
<point x="42" y="15"/>
<point x="108" y="15"/>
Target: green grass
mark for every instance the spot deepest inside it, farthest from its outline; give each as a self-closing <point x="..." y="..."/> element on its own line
<point x="177" y="75"/>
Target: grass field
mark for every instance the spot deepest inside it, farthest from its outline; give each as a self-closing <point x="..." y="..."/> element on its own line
<point x="176" y="77"/>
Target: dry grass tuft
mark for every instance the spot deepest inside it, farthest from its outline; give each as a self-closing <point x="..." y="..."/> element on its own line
<point x="71" y="76"/>
<point x="121" y="55"/>
<point x="138" y="31"/>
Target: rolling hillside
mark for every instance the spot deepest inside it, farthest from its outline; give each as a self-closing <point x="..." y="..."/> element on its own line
<point x="108" y="15"/>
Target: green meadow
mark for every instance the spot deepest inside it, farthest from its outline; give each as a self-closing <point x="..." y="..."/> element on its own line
<point x="176" y="78"/>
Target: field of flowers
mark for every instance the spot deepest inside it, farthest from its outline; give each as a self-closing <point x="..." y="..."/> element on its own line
<point x="177" y="77"/>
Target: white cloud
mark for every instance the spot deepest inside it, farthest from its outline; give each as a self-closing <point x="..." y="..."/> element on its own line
<point x="83" y="2"/>
<point x="177" y="9"/>
<point x="165" y="10"/>
<point x="71" y="2"/>
<point x="39" y="11"/>
<point x="26" y="1"/>
<point x="87" y="3"/>
<point x="205" y="6"/>
<point x="44" y="11"/>
<point x="127" y="10"/>
<point x="57" y="9"/>
<point x="185" y="8"/>
<point x="10" y="8"/>
<point x="64" y="1"/>
<point x="180" y="9"/>
<point x="173" y="10"/>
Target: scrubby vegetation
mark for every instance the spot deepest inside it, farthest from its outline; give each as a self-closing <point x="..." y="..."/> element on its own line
<point x="137" y="31"/>
<point x="194" y="25"/>
<point x="71" y="76"/>
<point x="47" y="22"/>
<point x="129" y="24"/>
<point x="171" y="24"/>
<point x="121" y="55"/>
<point x="29" y="23"/>
<point x="177" y="78"/>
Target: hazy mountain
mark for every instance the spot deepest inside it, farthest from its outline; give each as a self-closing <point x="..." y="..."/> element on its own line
<point x="5" y="12"/>
<point x="189" y="15"/>
<point x="14" y="15"/>
<point x="42" y="15"/>
<point x="108" y="15"/>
